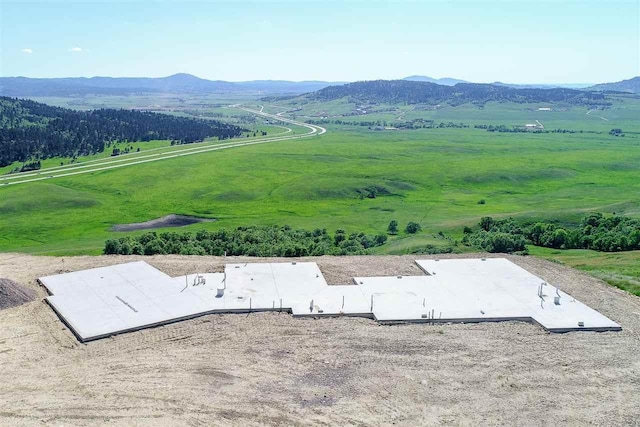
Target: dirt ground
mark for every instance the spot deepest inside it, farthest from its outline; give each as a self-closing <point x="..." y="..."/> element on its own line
<point x="271" y="369"/>
<point x="13" y="294"/>
<point x="166" y="221"/>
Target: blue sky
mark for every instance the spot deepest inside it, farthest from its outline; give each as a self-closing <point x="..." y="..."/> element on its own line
<point x="514" y="41"/>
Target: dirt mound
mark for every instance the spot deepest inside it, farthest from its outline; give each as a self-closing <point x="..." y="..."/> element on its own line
<point x="13" y="294"/>
<point x="166" y="221"/>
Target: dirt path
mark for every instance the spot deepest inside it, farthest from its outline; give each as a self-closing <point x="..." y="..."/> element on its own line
<point x="600" y="117"/>
<point x="272" y="369"/>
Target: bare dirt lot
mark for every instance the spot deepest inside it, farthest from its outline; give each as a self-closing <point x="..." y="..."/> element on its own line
<point x="271" y="369"/>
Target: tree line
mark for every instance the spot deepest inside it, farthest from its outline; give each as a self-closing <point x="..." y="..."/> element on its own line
<point x="412" y="124"/>
<point x="33" y="131"/>
<point x="595" y="231"/>
<point x="250" y="241"/>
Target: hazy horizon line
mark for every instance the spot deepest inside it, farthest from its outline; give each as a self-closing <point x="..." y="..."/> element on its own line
<point x="313" y="80"/>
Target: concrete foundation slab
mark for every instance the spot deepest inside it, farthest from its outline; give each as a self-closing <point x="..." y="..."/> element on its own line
<point x="499" y="289"/>
<point x="105" y="301"/>
<point x="334" y="301"/>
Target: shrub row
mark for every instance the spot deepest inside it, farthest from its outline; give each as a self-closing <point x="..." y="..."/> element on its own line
<point x="595" y="231"/>
<point x="250" y="241"/>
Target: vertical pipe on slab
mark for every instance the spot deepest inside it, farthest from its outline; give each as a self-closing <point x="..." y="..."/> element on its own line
<point x="250" y="304"/>
<point x="372" y="303"/>
<point x="343" y="302"/>
<point x="311" y="307"/>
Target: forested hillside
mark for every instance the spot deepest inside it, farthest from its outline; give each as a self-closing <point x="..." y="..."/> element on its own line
<point x="412" y="92"/>
<point x="32" y="131"/>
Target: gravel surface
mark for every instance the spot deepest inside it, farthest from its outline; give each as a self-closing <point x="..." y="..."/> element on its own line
<point x="271" y="369"/>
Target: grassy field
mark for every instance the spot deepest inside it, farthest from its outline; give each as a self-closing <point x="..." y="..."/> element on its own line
<point x="620" y="269"/>
<point x="623" y="114"/>
<point x="148" y="101"/>
<point x="435" y="177"/>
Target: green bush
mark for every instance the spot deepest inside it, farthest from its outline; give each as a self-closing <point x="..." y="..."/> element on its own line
<point x="495" y="241"/>
<point x="413" y="228"/>
<point x="393" y="227"/>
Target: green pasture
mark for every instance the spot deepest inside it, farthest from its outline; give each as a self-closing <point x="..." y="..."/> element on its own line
<point x="620" y="269"/>
<point x="623" y="113"/>
<point x="434" y="176"/>
<point x="147" y="101"/>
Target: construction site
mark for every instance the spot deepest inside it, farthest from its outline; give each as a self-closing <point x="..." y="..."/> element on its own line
<point x="404" y="340"/>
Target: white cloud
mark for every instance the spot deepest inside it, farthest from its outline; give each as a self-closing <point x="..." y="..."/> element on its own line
<point x="75" y="49"/>
<point x="27" y="50"/>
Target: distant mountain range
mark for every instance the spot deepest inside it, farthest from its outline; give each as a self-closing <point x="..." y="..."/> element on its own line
<point x="631" y="85"/>
<point x="177" y="83"/>
<point x="445" y="81"/>
<point x="189" y="84"/>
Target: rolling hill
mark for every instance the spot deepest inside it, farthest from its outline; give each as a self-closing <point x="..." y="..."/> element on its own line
<point x="631" y="85"/>
<point x="412" y="92"/>
<point x="543" y="86"/>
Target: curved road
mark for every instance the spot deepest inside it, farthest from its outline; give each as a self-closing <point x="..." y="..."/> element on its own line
<point x="113" y="163"/>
